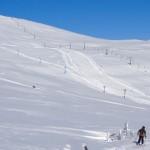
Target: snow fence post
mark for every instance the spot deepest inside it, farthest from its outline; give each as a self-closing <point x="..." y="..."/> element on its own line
<point x="130" y="61"/>
<point x="65" y="69"/>
<point x="126" y="128"/>
<point x="124" y="93"/>
<point x="104" y="91"/>
<point x="106" y="51"/>
<point x="120" y="135"/>
<point x="84" y="46"/>
<point x="70" y="46"/>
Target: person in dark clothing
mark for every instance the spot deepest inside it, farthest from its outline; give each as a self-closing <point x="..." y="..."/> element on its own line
<point x="85" y="147"/>
<point x="142" y="135"/>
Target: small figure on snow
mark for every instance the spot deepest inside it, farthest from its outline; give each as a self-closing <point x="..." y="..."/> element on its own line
<point x="84" y="147"/>
<point x="142" y="134"/>
<point x="33" y="86"/>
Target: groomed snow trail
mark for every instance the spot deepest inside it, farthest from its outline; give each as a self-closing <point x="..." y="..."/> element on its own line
<point x="85" y="70"/>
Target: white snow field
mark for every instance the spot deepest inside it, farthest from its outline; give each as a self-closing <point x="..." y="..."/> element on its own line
<point x="59" y="89"/>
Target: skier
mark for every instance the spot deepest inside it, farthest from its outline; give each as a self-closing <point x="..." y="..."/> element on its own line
<point x="142" y="134"/>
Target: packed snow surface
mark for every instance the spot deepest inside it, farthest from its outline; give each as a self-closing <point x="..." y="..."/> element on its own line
<point x="60" y="90"/>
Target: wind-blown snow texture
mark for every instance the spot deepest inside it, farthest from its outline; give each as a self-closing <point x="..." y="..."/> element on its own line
<point x="69" y="107"/>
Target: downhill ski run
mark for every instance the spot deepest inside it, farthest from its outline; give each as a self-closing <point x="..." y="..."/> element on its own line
<point x="64" y="91"/>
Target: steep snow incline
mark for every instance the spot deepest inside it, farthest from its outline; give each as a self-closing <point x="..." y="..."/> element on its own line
<point x="51" y="89"/>
<point x="38" y="40"/>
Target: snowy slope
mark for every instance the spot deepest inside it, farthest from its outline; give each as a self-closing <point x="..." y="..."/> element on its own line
<point x="68" y="107"/>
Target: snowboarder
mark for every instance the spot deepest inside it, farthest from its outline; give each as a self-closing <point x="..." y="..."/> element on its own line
<point x="142" y="134"/>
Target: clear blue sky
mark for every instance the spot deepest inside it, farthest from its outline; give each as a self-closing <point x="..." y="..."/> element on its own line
<point x="111" y="19"/>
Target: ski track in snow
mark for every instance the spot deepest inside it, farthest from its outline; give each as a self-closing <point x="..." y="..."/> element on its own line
<point x="15" y="82"/>
<point x="102" y="101"/>
<point x="71" y="59"/>
<point x="33" y="58"/>
<point x="26" y="112"/>
<point x="81" y="133"/>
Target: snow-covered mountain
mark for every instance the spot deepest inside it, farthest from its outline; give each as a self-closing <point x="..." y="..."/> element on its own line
<point x="59" y="89"/>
